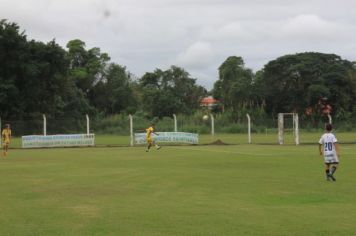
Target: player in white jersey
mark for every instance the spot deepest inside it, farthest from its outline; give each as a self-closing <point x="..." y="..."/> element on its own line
<point x="329" y="147"/>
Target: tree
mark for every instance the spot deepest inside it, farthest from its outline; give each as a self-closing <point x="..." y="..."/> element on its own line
<point x="169" y="92"/>
<point x="86" y="67"/>
<point x="34" y="78"/>
<point x="235" y="85"/>
<point x="114" y="93"/>
<point x="297" y="82"/>
<point x="13" y="50"/>
<point x="46" y="86"/>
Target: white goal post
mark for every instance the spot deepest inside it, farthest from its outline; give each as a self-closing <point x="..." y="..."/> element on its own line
<point x="281" y="127"/>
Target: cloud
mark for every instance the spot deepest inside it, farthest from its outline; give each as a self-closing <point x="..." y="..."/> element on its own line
<point x="229" y="31"/>
<point x="195" y="34"/>
<point x="312" y="27"/>
<point x="198" y="55"/>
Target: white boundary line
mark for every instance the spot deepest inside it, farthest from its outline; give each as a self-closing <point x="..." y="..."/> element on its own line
<point x="245" y="153"/>
<point x="221" y="151"/>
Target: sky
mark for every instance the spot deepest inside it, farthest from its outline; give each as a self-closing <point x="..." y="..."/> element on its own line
<point x="197" y="35"/>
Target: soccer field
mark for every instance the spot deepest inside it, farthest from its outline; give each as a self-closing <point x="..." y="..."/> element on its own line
<point x="183" y="190"/>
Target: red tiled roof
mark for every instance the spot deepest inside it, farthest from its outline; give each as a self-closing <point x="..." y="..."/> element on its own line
<point x="208" y="101"/>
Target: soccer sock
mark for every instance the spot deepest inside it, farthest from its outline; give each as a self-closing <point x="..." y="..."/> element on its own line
<point x="333" y="169"/>
<point x="327" y="172"/>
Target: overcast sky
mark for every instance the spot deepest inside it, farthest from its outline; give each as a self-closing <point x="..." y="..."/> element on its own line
<point x="197" y="35"/>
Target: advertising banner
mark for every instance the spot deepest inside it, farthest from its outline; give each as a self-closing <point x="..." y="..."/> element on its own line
<point x="168" y="137"/>
<point x="60" y="140"/>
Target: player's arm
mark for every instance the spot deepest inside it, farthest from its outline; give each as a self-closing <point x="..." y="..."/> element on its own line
<point x="320" y="149"/>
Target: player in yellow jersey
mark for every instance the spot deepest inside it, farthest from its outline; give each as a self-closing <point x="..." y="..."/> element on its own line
<point x="150" y="141"/>
<point x="6" y="138"/>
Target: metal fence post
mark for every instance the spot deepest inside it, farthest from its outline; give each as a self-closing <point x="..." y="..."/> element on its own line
<point x="88" y="127"/>
<point x="131" y="131"/>
<point x="248" y="127"/>
<point x="44" y="125"/>
<point x="296" y="121"/>
<point x="175" y="122"/>
<point x="212" y="124"/>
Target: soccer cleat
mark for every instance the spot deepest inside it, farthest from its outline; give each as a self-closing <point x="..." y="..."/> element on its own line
<point x="159" y="147"/>
<point x="328" y="178"/>
<point x="332" y="177"/>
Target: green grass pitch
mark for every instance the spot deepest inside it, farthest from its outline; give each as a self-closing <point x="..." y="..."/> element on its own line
<point x="183" y="190"/>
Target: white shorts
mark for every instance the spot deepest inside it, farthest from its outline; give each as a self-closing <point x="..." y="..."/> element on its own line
<point x="331" y="158"/>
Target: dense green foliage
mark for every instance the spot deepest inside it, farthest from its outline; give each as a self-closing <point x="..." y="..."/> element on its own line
<point x="38" y="78"/>
<point x="43" y="78"/>
<point x="169" y="92"/>
<point x="235" y="86"/>
<point x="313" y="84"/>
<point x="296" y="82"/>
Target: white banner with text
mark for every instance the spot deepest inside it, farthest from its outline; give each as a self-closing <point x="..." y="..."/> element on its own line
<point x="168" y="137"/>
<point x="59" y="140"/>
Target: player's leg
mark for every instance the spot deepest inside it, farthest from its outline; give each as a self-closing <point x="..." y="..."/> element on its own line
<point x="149" y="144"/>
<point x="327" y="171"/>
<point x="148" y="147"/>
<point x="156" y="145"/>
<point x="332" y="170"/>
<point x="5" y="147"/>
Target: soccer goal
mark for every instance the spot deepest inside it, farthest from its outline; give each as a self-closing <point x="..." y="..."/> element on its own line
<point x="294" y="122"/>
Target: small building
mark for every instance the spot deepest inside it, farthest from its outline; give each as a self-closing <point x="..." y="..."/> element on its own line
<point x="209" y="102"/>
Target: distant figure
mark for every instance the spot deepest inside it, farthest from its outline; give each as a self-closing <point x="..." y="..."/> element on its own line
<point x="150" y="141"/>
<point x="6" y="138"/>
<point x="330" y="148"/>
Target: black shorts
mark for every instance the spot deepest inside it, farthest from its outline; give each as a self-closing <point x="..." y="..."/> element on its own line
<point x="331" y="163"/>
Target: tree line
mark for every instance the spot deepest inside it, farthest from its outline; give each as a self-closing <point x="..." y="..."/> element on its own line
<point x="37" y="78"/>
